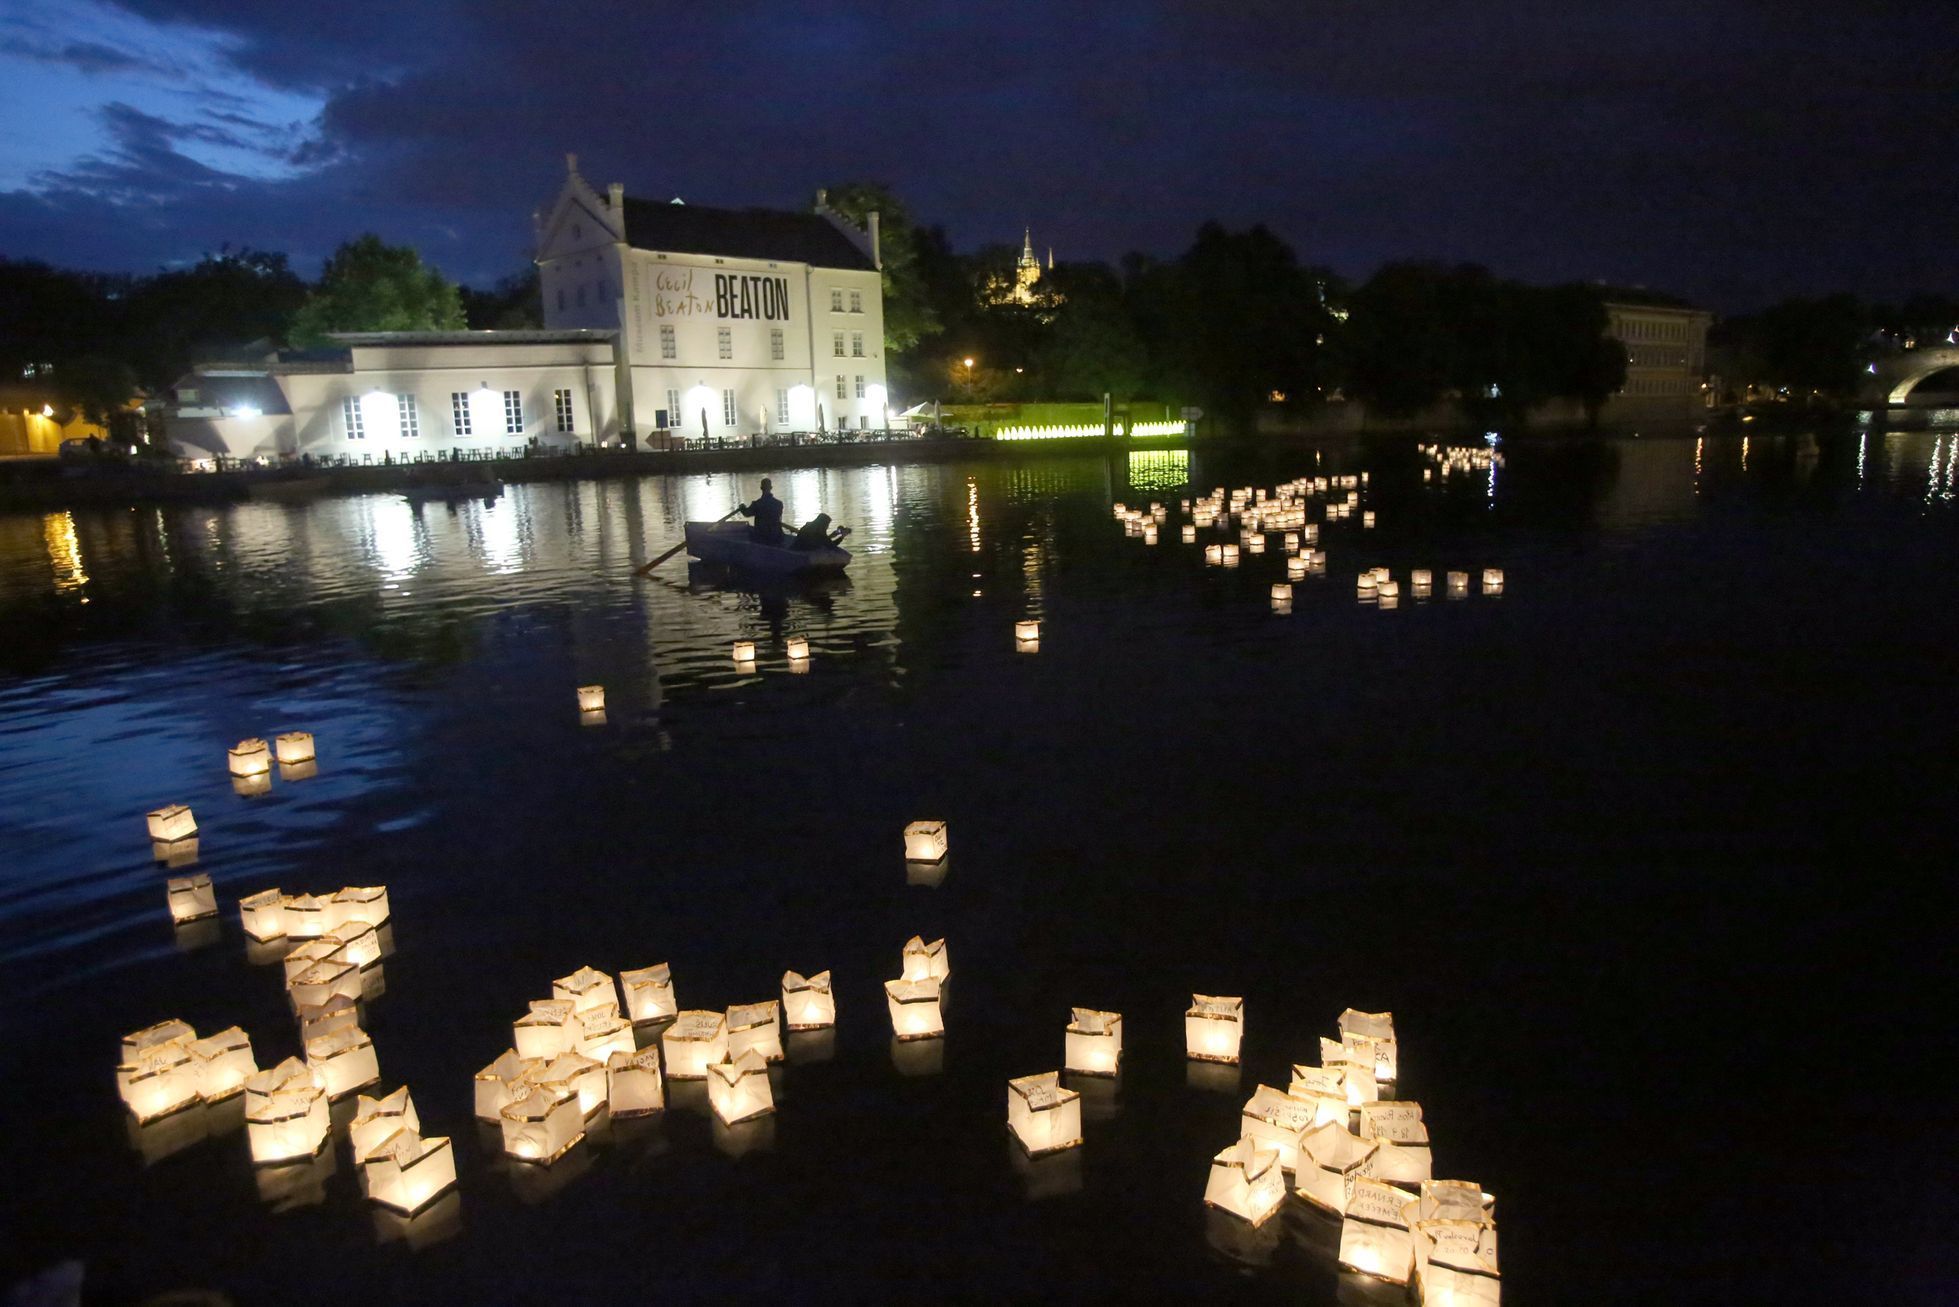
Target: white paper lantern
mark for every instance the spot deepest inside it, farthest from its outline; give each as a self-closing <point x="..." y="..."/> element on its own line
<point x="1365" y="585"/>
<point x="923" y="961"/>
<point x="1092" y="1044"/>
<point x="1281" y="593"/>
<point x="224" y="1062"/>
<point x="1214" y="555"/>
<point x="694" y="1042"/>
<point x="1454" y="1200"/>
<point x="1246" y="1181"/>
<point x="502" y="1083"/>
<point x="1325" y="1090"/>
<point x="1379" y="1027"/>
<point x="157" y="1074"/>
<point x="175" y="854"/>
<point x="250" y="758"/>
<point x="1044" y="1117"/>
<point x="1291" y="542"/>
<point x="1278" y="1121"/>
<point x="407" y="1172"/>
<point x="1374" y="1236"/>
<point x="308" y="916"/>
<point x="264" y="914"/>
<point x="1456" y="1264"/>
<point x="914" y="1007"/>
<point x="1331" y="1159"/>
<point x="807" y="1001"/>
<point x="367" y="903"/>
<point x="738" y="1088"/>
<point x="632" y="1082"/>
<point x="1367" y="520"/>
<point x="1256" y="544"/>
<point x="172" y="823"/>
<point x="756" y="1028"/>
<point x="285" y="1113"/>
<point x="649" y="993"/>
<point x="294" y="748"/>
<point x="797" y="647"/>
<point x="343" y="1061"/>
<point x="1213" y="1028"/>
<point x="191" y="898"/>
<point x="603" y="1032"/>
<point x="1492" y="580"/>
<point x="321" y="981"/>
<point x="549" y="1028"/>
<point x="1458" y="584"/>
<point x="1230" y="555"/>
<point x="591" y="698"/>
<point x="1402" y="1156"/>
<point x="336" y="1013"/>
<point x="1296" y="566"/>
<point x="584" y="1077"/>
<point x="377" y="1118"/>
<point x="305" y="955"/>
<point x="1354" y="1055"/>
<point x="1421" y="578"/>
<point x="925" y="841"/>
<point x="588" y="990"/>
<point x="542" y="1126"/>
<point x="1309" y="535"/>
<point x="1029" y="630"/>
<point x="360" y="943"/>
<point x="1189" y="534"/>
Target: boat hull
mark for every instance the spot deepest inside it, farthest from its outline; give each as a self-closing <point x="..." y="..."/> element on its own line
<point x="728" y="543"/>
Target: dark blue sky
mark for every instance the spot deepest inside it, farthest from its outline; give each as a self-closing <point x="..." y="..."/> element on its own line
<point x="1731" y="151"/>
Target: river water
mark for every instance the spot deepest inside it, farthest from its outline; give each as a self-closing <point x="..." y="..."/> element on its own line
<point x="1648" y="856"/>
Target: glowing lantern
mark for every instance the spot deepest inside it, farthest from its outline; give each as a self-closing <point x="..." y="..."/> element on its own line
<point x="797" y="647"/>
<point x="1458" y="584"/>
<point x="925" y="841"/>
<point x="250" y="758"/>
<point x="327" y="948"/>
<point x="1365" y="585"/>
<point x="285" y="1113"/>
<point x="377" y="1118"/>
<point x="1367" y="520"/>
<point x="1325" y="1090"/>
<point x="224" y="1061"/>
<point x="191" y="898"/>
<point x="1291" y="542"/>
<point x="1296" y="566"/>
<point x="1029" y="630"/>
<point x="368" y="903"/>
<point x="1246" y="1181"/>
<point x="1397" y="1127"/>
<point x="1331" y="1159"/>
<point x="585" y="1077"/>
<point x="172" y="823"/>
<point x="922" y="960"/>
<point x="502" y="1083"/>
<point x="157" y="1074"/>
<point x="603" y="1032"/>
<point x="1229" y="555"/>
<point x="360" y="943"/>
<point x="695" y="1041"/>
<point x="632" y="1082"/>
<point x="808" y="1002"/>
<point x="1149" y="534"/>
<point x="591" y="698"/>
<point x="588" y="990"/>
<point x="294" y="748"/>
<point x="307" y="916"/>
<point x="1379" y="1027"/>
<point x="1214" y="554"/>
<point x="649" y="993"/>
<point x="1309" y="534"/>
<point x="1422" y="579"/>
<point x="1281" y="592"/>
<point x="1389" y="593"/>
<point x="1455" y="1200"/>
<point x="915" y="1012"/>
<point x="321" y="981"/>
<point x="1277" y="1121"/>
<point x="543" y="1125"/>
<point x="1354" y="1055"/>
<point x="548" y="1029"/>
<point x="315" y="1020"/>
<point x="755" y="1028"/>
<point x="407" y="1172"/>
<point x="1189" y="534"/>
<point x="1044" y="1117"/>
<point x="1456" y="1264"/>
<point x="738" y="1088"/>
<point x="1092" y="1043"/>
<point x="264" y="914"/>
<point x="744" y="651"/>
<point x="1492" y="580"/>
<point x="1256" y="544"/>
<point x="1375" y="1238"/>
<point x="1213" y="1028"/>
<point x="343" y="1061"/>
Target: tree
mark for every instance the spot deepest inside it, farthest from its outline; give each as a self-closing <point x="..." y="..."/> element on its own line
<point x="371" y="286"/>
<point x="1091" y="347"/>
<point x="224" y="300"/>
<point x="908" y="312"/>
<point x="515" y="303"/>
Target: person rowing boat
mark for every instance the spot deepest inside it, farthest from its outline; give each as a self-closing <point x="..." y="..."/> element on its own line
<point x="767" y="512"/>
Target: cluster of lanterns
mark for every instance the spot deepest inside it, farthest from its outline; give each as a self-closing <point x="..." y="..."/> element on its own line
<point x="1459" y="460"/>
<point x="250" y="762"/>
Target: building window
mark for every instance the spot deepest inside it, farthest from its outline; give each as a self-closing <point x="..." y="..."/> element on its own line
<point x="857" y="301"/>
<point x="836" y="343"/>
<point x="513" y="413"/>
<point x="411" y="421"/>
<point x="561" y="400"/>
<point x="860" y="387"/>
<point x="350" y="413"/>
<point x="857" y="344"/>
<point x="836" y="301"/>
<point x="459" y="411"/>
<point x="863" y="422"/>
<point x="673" y="408"/>
<point x="775" y="344"/>
<point x="725" y="340"/>
<point x="843" y="391"/>
<point x="727" y="408"/>
<point x="667" y="350"/>
<point x="781" y="407"/>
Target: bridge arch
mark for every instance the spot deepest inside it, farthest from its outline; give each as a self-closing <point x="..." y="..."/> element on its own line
<point x="1897" y="377"/>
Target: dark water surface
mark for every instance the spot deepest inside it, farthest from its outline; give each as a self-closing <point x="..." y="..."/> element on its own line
<point x="1648" y="856"/>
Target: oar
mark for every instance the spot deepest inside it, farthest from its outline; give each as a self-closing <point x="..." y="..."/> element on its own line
<point x="642" y="571"/>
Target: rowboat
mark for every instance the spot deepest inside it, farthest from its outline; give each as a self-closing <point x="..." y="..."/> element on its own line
<point x="728" y="543"/>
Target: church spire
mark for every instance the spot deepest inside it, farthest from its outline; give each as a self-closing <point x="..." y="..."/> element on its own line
<point x="1027" y="259"/>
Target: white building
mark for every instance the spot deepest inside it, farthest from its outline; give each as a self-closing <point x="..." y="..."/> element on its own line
<point x="1666" y="356"/>
<point x="732" y="322"/>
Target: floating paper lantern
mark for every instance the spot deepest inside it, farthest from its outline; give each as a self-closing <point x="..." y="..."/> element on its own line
<point x="502" y="1083"/>
<point x="1492" y="580"/>
<point x="798" y="647"/>
<point x="343" y="1061"/>
<point x="1214" y="555"/>
<point x="1246" y="1181"/>
<point x="915" y="1011"/>
<point x="191" y="898"/>
<point x="285" y="1113"/>
<point x="548" y="1029"/>
<point x="632" y="1083"/>
<point x="1456" y="1264"/>
<point x="588" y="990"/>
<point x="360" y="943"/>
<point x="305" y="955"/>
<point x="591" y="698"/>
<point x="1374" y="1236"/>
<point x="308" y="916"/>
<point x="1278" y="1121"/>
<point x="1367" y="520"/>
<point x="603" y="1032"/>
<point x="172" y="823"/>
<point x="1296" y="566"/>
<point x="695" y="1041"/>
<point x="585" y="1077"/>
<point x="264" y="914"/>
<point x="1325" y="1090"/>
<point x="649" y="993"/>
<point x="1281" y="592"/>
<point x="377" y="1118"/>
<point x="808" y="1002"/>
<point x="738" y="1088"/>
<point x="1309" y="534"/>
<point x="922" y="960"/>
<point x="1454" y="1200"/>
<point x="323" y="980"/>
<point x="925" y="841"/>
<point x="744" y="651"/>
<point x="157" y="1074"/>
<point x="408" y="1172"/>
<point x="1213" y="1028"/>
<point x="336" y="1013"/>
<point x="1092" y="1044"/>
<point x="1379" y="1027"/>
<point x="755" y="1028"/>
<point x="1029" y="630"/>
<point x="368" y="903"/>
<point x="1044" y="1117"/>
<point x="1257" y="543"/>
<point x="1149" y="534"/>
<point x="1230" y="555"/>
<point x="1189" y="534"/>
<point x="1355" y="1056"/>
<point x="224" y="1062"/>
<point x="1388" y="590"/>
<point x="250" y="758"/>
<point x="294" y="748"/>
<point x="1365" y="584"/>
<point x="1331" y="1158"/>
<point x="542" y="1126"/>
<point x="1396" y="1126"/>
<point x="1291" y="542"/>
<point x="1421" y="578"/>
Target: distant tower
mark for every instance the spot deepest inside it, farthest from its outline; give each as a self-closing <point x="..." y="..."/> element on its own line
<point x="1027" y="271"/>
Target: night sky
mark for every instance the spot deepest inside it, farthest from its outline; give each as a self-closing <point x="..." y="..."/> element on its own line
<point x="1730" y="151"/>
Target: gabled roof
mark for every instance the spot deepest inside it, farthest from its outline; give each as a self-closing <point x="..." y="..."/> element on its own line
<point x="742" y="234"/>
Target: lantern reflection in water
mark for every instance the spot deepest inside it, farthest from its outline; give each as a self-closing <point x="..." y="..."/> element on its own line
<point x="925" y="841"/>
<point x="294" y="748"/>
<point x="377" y="1118"/>
<point x="249" y="758"/>
<point x="926" y="961"/>
<point x="695" y="1041"/>
<point x="738" y="1088"/>
<point x="633" y="1084"/>
<point x="1092" y="1044"/>
<point x="649" y="993"/>
<point x="407" y="1172"/>
<point x="1213" y="1028"/>
<point x="171" y="823"/>
<point x="1246" y="1181"/>
<point x="807" y="1001"/>
<point x="755" y="1028"/>
<point x="1044" y="1117"/>
<point x="285" y="1113"/>
<point x="542" y="1126"/>
<point x="191" y="898"/>
<point x="914" y="1007"/>
<point x="1374" y="1235"/>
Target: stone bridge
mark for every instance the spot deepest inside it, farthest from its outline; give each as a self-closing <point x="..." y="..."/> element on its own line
<point x="1890" y="381"/>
